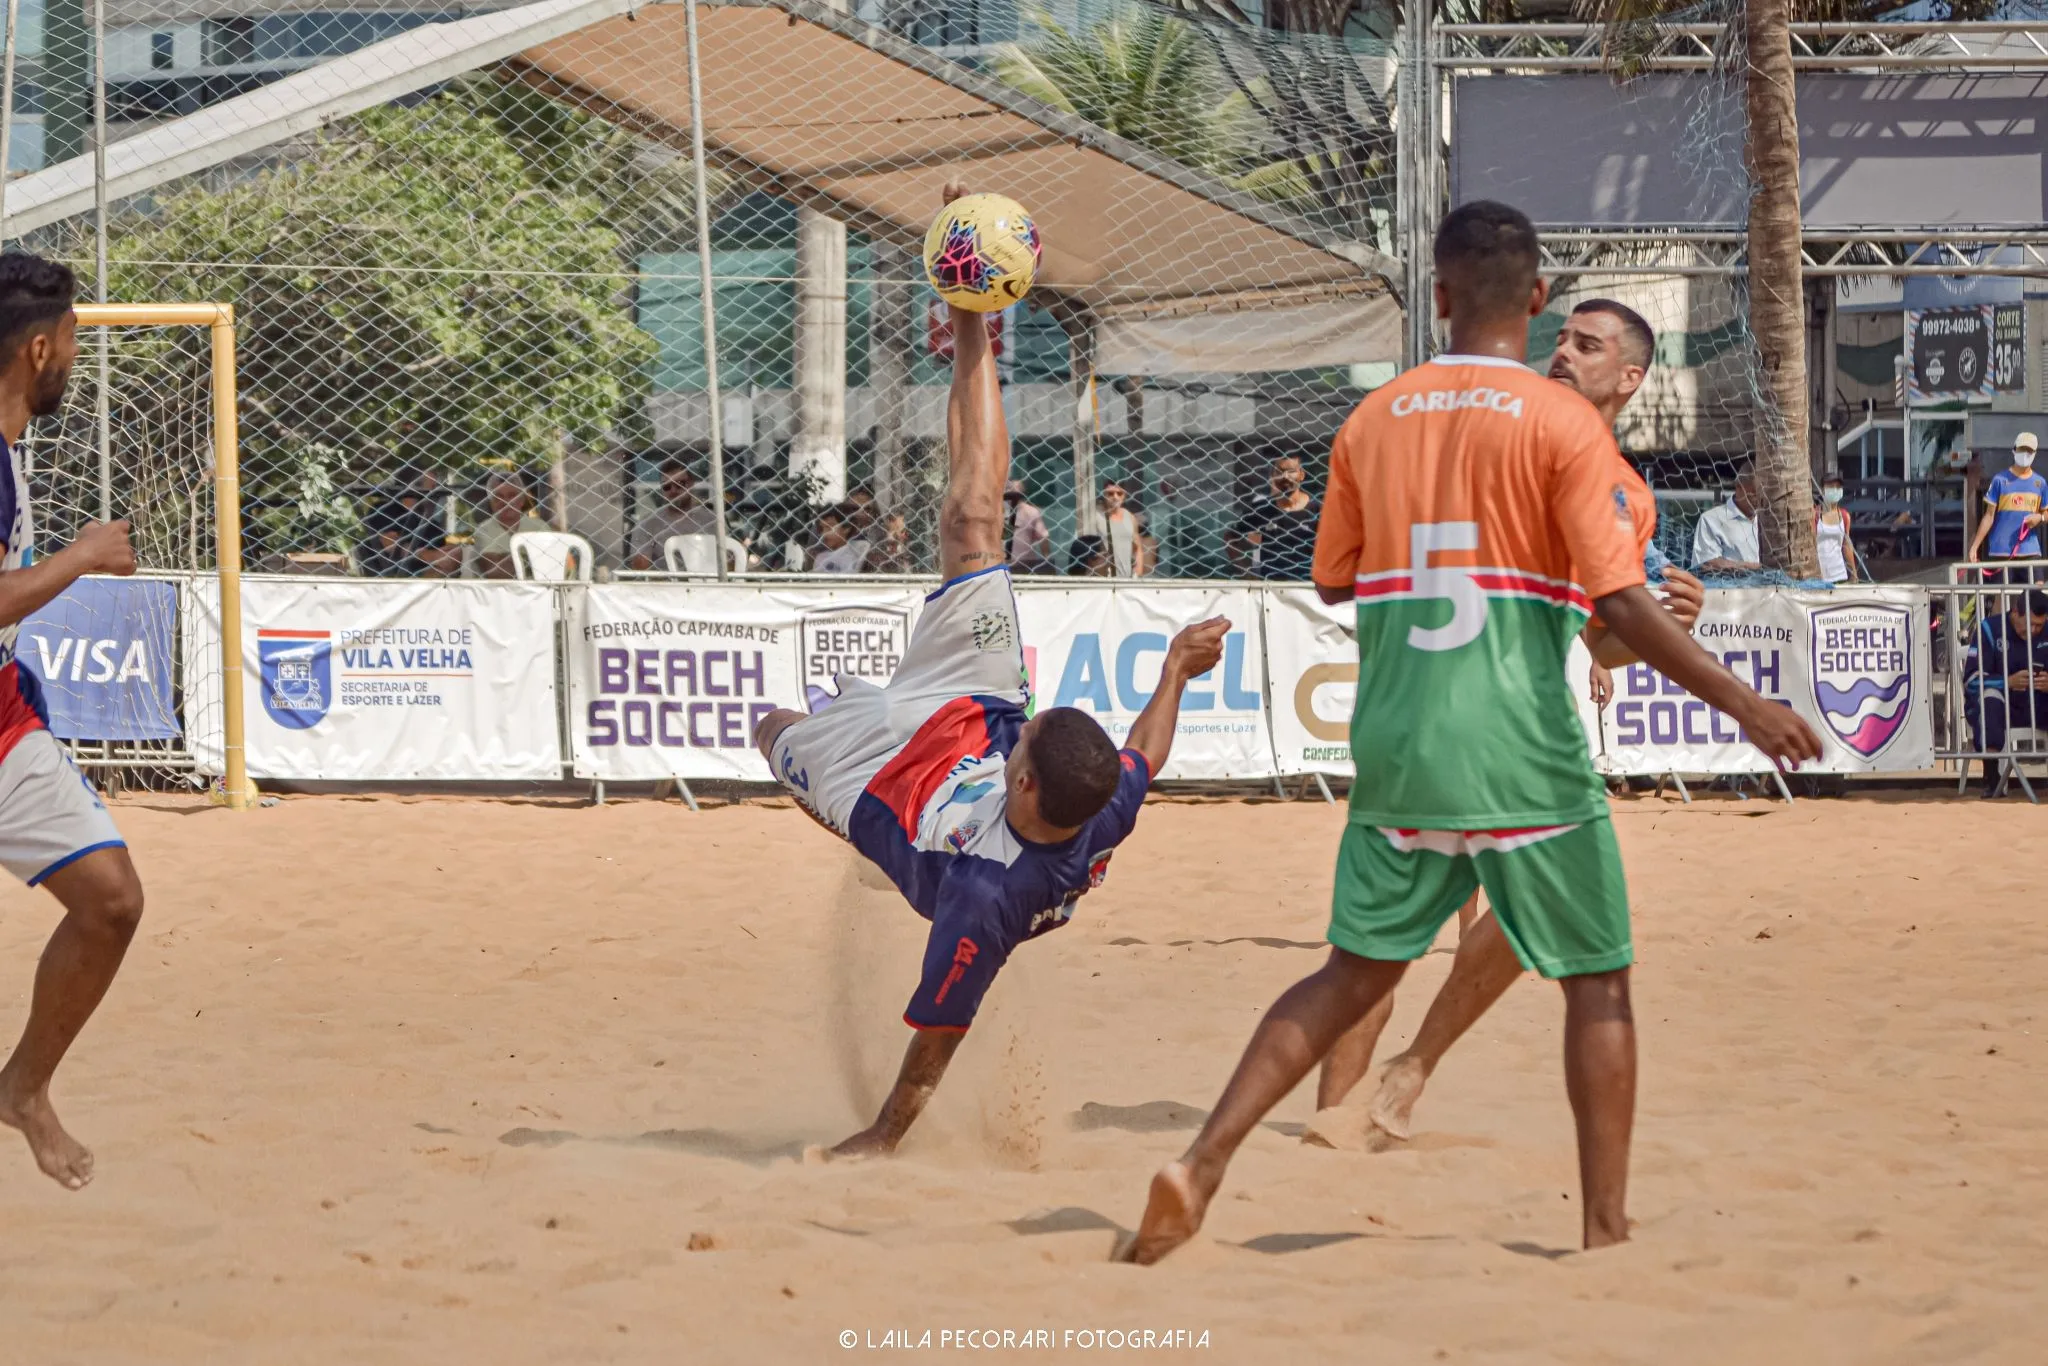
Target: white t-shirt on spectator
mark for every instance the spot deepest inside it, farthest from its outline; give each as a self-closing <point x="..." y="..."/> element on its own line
<point x="848" y="559"/>
<point x="1725" y="533"/>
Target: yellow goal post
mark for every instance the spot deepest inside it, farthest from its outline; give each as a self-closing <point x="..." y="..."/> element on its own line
<point x="219" y="320"/>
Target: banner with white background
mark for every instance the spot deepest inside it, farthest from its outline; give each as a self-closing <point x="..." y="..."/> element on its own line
<point x="374" y="679"/>
<point x="1854" y="662"/>
<point x="423" y="680"/>
<point x="669" y="680"/>
<point x="1102" y="650"/>
<point x="1312" y="654"/>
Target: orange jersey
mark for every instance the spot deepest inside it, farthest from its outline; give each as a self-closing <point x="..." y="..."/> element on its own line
<point x="1476" y="509"/>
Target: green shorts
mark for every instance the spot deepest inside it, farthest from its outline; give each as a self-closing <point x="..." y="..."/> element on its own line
<point x="1558" y="892"/>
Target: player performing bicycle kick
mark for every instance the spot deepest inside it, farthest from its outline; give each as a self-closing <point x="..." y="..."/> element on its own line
<point x="992" y="822"/>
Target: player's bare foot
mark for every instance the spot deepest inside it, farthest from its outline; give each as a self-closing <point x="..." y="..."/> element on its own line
<point x="1343" y="1127"/>
<point x="1392" y="1109"/>
<point x="63" y="1158"/>
<point x="863" y="1145"/>
<point x="1173" y="1214"/>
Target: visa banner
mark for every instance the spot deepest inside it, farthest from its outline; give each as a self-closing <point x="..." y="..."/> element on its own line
<point x="102" y="652"/>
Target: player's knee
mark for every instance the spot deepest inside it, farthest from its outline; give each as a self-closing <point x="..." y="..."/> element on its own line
<point x="117" y="910"/>
<point x="771" y="728"/>
<point x="1599" y="996"/>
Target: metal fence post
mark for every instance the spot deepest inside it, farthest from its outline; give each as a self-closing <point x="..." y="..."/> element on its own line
<point x="7" y="109"/>
<point x="715" y="415"/>
<point x="104" y="407"/>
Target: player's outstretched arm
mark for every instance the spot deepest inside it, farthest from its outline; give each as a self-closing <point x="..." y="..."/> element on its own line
<point x="977" y="449"/>
<point x="1653" y="635"/>
<point x="1193" y="653"/>
<point x="102" y="548"/>
<point x="923" y="1064"/>
<point x="1685" y="597"/>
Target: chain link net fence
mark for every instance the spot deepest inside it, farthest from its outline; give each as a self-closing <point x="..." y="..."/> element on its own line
<point x="477" y="309"/>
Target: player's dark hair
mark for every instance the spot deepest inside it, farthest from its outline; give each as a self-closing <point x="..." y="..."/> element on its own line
<point x="1076" y="765"/>
<point x="1486" y="258"/>
<point x="33" y="293"/>
<point x="2037" y="603"/>
<point x="1641" y="342"/>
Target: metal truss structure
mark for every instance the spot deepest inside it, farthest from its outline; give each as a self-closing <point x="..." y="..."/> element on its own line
<point x="1828" y="252"/>
<point x="1554" y="48"/>
<point x="1531" y="48"/>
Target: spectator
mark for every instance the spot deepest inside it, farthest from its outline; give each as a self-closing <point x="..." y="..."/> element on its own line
<point x="838" y="552"/>
<point x="1725" y="541"/>
<point x="508" y="511"/>
<point x="1088" y="558"/>
<point x="403" y="533"/>
<point x="1030" y="537"/>
<point x="1277" y="539"/>
<point x="1126" y="537"/>
<point x="2014" y="498"/>
<point x="681" y="513"/>
<point x="862" y="512"/>
<point x="2008" y="678"/>
<point x="1831" y="539"/>
<point x="1162" y="522"/>
<point x="890" y="553"/>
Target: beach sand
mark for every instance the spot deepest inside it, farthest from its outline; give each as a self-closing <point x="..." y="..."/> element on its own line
<point x="457" y="1081"/>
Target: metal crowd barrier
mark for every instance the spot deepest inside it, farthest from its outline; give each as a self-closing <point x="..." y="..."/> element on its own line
<point x="1977" y="593"/>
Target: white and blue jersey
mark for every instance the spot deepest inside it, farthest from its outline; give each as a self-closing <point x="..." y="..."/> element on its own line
<point x="21" y="701"/>
<point x="49" y="815"/>
<point x="913" y="775"/>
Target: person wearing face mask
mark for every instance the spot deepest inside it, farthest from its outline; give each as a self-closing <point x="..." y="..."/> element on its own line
<point x="1831" y="540"/>
<point x="1277" y="539"/>
<point x="2013" y="502"/>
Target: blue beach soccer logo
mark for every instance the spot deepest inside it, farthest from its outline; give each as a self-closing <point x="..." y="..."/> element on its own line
<point x="298" y="675"/>
<point x="1863" y="673"/>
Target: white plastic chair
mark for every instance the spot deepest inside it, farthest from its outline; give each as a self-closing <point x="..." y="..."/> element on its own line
<point x="696" y="552"/>
<point x="551" y="556"/>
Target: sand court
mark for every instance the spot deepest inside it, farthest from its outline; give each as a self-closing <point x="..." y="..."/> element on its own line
<point x="452" y="1080"/>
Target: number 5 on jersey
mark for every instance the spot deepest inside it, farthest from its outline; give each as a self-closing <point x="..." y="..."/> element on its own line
<point x="1454" y="585"/>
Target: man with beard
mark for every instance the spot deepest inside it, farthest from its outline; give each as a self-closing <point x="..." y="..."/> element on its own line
<point x="1604" y="351"/>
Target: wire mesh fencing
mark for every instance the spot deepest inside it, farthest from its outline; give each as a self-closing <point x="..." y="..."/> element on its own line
<point x="477" y="307"/>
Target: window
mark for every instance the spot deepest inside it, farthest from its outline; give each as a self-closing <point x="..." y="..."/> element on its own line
<point x="229" y="42"/>
<point x="161" y="56"/>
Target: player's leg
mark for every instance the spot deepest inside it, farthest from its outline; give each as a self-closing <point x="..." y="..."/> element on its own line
<point x="771" y="728"/>
<point x="1481" y="974"/>
<point x="1600" y="1078"/>
<point x="1294" y="1035"/>
<point x="1388" y="905"/>
<point x="55" y="832"/>
<point x="1562" y="901"/>
<point x="102" y="899"/>
<point x="1351" y="1058"/>
<point x="977" y="450"/>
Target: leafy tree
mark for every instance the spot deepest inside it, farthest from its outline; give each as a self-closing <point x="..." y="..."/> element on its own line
<point x="411" y="285"/>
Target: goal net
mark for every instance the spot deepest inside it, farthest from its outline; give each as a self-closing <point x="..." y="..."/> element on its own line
<point x="146" y="434"/>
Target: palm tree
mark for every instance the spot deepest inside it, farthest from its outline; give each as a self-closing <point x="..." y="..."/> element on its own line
<point x="1777" y="310"/>
<point x="1142" y="76"/>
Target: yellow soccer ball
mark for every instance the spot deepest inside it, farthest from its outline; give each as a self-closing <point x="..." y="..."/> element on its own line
<point x="982" y="252"/>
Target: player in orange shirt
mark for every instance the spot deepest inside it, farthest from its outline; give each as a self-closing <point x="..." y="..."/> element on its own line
<point x="1604" y="351"/>
<point x="1477" y="516"/>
